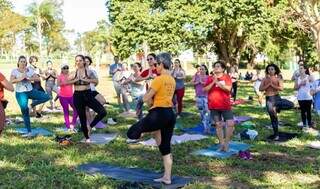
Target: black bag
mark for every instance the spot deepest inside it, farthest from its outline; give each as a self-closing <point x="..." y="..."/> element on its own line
<point x="4" y="103"/>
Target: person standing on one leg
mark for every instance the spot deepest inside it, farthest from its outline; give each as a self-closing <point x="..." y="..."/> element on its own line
<point x="161" y="118"/>
<point x="257" y="82"/>
<point x="114" y="72"/>
<point x="272" y="84"/>
<point x="218" y="87"/>
<point x="33" y="60"/>
<point x="83" y="96"/>
<point x="4" y="84"/>
<point x="234" y="78"/>
<point x="66" y="97"/>
<point x="304" y="84"/>
<point x="199" y="80"/>
<point x="50" y="76"/>
<point x="179" y="75"/>
<point x="22" y="77"/>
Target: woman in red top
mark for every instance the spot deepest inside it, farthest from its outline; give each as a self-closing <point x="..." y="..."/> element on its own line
<point x="218" y="87"/>
<point x="4" y="84"/>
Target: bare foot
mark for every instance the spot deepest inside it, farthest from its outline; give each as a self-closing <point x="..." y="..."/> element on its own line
<point x="163" y="180"/>
<point x="221" y="147"/>
<point x="226" y="147"/>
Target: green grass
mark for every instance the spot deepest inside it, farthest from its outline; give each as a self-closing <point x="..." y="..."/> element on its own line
<point x="41" y="163"/>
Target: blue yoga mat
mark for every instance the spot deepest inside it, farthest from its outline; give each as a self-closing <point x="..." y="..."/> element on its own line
<point x="198" y="129"/>
<point x="212" y="151"/>
<point x="134" y="175"/>
<point x="35" y="131"/>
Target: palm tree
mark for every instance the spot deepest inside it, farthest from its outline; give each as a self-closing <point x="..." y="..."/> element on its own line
<point x="45" y="17"/>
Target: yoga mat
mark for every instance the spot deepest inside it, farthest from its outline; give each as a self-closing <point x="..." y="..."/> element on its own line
<point x="100" y="125"/>
<point x="314" y="145"/>
<point x="199" y="129"/>
<point x="176" y="139"/>
<point x="34" y="131"/>
<point x="284" y="137"/>
<point x="101" y="138"/>
<point x="212" y="151"/>
<point x="240" y="119"/>
<point x="135" y="175"/>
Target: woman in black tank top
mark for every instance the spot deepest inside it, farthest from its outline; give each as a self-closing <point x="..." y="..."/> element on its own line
<point x="83" y="97"/>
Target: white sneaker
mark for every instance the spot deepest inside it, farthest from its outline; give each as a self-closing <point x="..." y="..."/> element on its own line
<point x="27" y="135"/>
<point x="131" y="141"/>
<point x="111" y="121"/>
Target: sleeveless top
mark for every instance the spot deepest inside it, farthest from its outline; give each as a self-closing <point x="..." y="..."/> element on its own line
<point x="81" y="82"/>
<point x="304" y="91"/>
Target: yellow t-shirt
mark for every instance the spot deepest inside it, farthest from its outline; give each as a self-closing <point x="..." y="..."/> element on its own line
<point x="164" y="86"/>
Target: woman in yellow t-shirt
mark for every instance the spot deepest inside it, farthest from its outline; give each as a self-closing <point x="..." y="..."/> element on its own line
<point x="161" y="117"/>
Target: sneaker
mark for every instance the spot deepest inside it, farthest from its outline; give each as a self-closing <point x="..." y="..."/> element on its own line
<point x="132" y="141"/>
<point x="111" y="121"/>
<point x="27" y="135"/>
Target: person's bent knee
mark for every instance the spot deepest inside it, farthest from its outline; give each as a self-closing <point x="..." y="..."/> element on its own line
<point x="164" y="150"/>
<point x="134" y="132"/>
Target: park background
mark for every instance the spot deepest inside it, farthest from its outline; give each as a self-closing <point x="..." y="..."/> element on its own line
<point x="246" y="33"/>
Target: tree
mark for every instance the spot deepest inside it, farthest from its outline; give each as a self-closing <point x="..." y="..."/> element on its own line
<point x="309" y="17"/>
<point x="11" y="24"/>
<point x="46" y="21"/>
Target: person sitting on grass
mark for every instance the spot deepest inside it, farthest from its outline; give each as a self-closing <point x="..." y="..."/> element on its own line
<point x="272" y="84"/>
<point x="219" y="87"/>
<point x="4" y="84"/>
<point x="22" y="77"/>
<point x="161" y="118"/>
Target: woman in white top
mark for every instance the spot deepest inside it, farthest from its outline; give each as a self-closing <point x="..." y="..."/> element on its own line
<point x="303" y="85"/>
<point x="22" y="77"/>
<point x="257" y="82"/>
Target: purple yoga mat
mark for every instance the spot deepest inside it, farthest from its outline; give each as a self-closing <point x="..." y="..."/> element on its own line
<point x="100" y="125"/>
<point x="240" y="119"/>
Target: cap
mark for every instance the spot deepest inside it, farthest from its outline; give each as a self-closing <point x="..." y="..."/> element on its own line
<point x="63" y="65"/>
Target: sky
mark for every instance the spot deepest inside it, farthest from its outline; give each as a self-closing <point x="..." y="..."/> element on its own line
<point x="80" y="15"/>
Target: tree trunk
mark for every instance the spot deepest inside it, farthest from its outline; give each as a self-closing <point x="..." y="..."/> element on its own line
<point x="316" y="36"/>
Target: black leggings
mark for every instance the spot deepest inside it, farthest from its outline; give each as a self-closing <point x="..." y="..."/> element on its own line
<point x="271" y="109"/>
<point x="83" y="99"/>
<point x="234" y="90"/>
<point x="162" y="119"/>
<point x="305" y="107"/>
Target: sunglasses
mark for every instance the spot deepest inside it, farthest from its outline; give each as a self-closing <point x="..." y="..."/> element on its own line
<point x="65" y="68"/>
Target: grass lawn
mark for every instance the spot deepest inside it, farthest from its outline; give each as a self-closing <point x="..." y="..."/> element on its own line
<point x="42" y="163"/>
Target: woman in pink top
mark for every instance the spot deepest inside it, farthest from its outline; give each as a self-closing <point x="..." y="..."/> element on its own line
<point x="65" y="96"/>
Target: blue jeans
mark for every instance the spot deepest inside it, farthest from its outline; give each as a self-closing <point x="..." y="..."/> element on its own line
<point x="138" y="104"/>
<point x="202" y="105"/>
<point x="38" y="97"/>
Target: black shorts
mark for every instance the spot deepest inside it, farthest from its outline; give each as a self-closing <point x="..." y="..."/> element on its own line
<point x="217" y="115"/>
